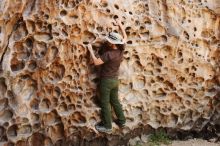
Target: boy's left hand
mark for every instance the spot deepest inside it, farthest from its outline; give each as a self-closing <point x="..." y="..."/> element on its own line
<point x="118" y="21"/>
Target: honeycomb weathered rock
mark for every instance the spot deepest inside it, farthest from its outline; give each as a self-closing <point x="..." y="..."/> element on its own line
<point x="168" y="78"/>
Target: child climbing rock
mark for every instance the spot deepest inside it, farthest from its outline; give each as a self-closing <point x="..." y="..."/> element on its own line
<point x="110" y="61"/>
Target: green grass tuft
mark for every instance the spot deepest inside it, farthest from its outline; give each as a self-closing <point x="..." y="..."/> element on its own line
<point x="159" y="138"/>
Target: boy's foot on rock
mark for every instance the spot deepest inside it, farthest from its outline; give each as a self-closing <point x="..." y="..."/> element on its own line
<point x="101" y="128"/>
<point x="121" y="125"/>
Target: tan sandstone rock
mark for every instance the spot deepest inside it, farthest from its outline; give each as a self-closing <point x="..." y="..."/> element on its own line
<point x="168" y="78"/>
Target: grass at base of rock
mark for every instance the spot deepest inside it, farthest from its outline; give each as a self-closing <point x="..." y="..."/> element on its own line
<point x="159" y="138"/>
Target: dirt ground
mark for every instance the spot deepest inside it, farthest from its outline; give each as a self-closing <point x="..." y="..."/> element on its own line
<point x="143" y="141"/>
<point x="193" y="142"/>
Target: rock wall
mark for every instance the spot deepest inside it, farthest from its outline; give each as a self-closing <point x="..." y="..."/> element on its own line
<point x="169" y="76"/>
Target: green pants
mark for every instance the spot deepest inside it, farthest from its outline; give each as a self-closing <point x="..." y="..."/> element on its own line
<point x="109" y="96"/>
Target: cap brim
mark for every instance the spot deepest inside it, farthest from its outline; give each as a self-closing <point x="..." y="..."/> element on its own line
<point x="113" y="41"/>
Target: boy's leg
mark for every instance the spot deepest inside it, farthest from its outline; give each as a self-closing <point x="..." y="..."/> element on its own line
<point x="105" y="88"/>
<point x="116" y="104"/>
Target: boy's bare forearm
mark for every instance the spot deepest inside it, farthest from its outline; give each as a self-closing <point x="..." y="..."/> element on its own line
<point x="96" y="61"/>
<point x="93" y="55"/>
<point x="122" y="29"/>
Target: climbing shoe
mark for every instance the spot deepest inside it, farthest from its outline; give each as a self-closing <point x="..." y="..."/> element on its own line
<point x="101" y="128"/>
<point x="121" y="125"/>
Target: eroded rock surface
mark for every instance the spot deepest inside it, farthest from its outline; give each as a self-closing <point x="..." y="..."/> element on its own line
<point x="169" y="76"/>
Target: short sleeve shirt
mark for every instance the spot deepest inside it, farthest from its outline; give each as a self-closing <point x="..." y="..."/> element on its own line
<point x="112" y="59"/>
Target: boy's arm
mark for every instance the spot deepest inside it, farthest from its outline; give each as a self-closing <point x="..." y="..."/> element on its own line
<point x="96" y="61"/>
<point x="122" y="29"/>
